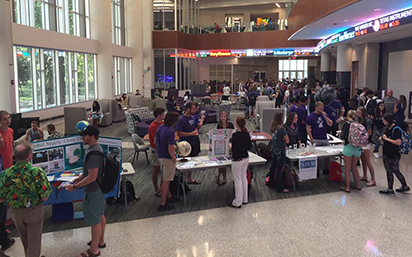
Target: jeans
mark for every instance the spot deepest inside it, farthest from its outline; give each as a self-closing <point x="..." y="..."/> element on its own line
<point x="378" y="144"/>
<point x="249" y="108"/>
<point x="392" y="167"/>
<point x="278" y="162"/>
<point x="4" y="238"/>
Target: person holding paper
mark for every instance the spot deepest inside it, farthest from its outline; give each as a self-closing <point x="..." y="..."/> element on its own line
<point x="223" y="124"/>
<point x="26" y="202"/>
<point x="240" y="145"/>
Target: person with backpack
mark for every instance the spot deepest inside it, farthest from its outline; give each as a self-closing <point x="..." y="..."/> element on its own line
<point x="365" y="157"/>
<point x="240" y="146"/>
<point x="351" y="151"/>
<point x="251" y="102"/>
<point x="378" y="126"/>
<point x="92" y="179"/>
<point x="392" y="140"/>
<point x="279" y="141"/>
<point x="399" y="111"/>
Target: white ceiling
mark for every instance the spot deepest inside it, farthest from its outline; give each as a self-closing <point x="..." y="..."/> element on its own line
<point x="350" y="16"/>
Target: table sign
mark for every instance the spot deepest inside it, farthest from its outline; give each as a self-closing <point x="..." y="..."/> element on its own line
<point x="219" y="142"/>
<point x="308" y="167"/>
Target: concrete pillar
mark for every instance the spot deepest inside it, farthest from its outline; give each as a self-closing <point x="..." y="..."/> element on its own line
<point x="344" y="66"/>
<point x="6" y="59"/>
<point x="325" y="68"/>
<point x="148" y="67"/>
<point x="101" y="30"/>
<point x="135" y="35"/>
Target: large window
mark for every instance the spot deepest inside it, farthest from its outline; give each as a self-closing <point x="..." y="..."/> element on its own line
<point x="293" y="69"/>
<point x="122" y="81"/>
<point x="118" y="22"/>
<point x="65" y="16"/>
<point x="47" y="78"/>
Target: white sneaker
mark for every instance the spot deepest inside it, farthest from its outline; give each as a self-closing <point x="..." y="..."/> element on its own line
<point x="377" y="156"/>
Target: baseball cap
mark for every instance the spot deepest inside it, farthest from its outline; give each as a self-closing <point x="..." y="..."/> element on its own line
<point x="90" y="131"/>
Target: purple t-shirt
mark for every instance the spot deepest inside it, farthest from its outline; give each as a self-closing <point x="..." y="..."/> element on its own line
<point x="165" y="136"/>
<point x="333" y="110"/>
<point x="302" y="117"/>
<point x="188" y="124"/>
<point x="292" y="108"/>
<point x="319" y="126"/>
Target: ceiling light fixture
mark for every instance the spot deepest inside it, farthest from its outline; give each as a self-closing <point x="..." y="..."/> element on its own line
<point x="286" y="5"/>
<point x="377" y="9"/>
<point x="327" y="27"/>
<point x="345" y="20"/>
<point x="278" y="5"/>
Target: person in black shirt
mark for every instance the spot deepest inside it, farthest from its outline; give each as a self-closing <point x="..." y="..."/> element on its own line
<point x="292" y="129"/>
<point x="240" y="145"/>
<point x="223" y="124"/>
<point x="391" y="156"/>
<point x="378" y="124"/>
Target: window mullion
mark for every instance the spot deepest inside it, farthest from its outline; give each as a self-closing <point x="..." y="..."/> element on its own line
<point x="86" y="77"/>
<point x="70" y="76"/>
<point x="76" y="85"/>
<point x="57" y="77"/>
<point x="34" y="79"/>
<point x="43" y="79"/>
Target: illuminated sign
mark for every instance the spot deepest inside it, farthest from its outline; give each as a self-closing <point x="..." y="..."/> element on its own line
<point x="254" y="53"/>
<point x="283" y="52"/>
<point x="383" y="23"/>
<point x="222" y="53"/>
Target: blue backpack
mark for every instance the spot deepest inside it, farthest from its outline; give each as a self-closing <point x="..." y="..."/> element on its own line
<point x="406" y="145"/>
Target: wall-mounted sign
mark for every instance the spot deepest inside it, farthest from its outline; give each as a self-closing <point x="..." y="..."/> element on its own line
<point x="259" y="52"/>
<point x="383" y="23"/>
<point x="220" y="53"/>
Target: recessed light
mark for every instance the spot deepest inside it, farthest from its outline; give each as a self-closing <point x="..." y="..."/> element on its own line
<point x="345" y="20"/>
<point x="286" y="5"/>
<point x="327" y="27"/>
<point x="377" y="9"/>
<point x="277" y="5"/>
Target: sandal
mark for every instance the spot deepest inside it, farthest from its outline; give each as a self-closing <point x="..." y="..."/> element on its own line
<point x="344" y="190"/>
<point x="100" y="246"/>
<point x="88" y="253"/>
<point x="371" y="184"/>
<point x="157" y="194"/>
<point x="364" y="179"/>
<point x="357" y="188"/>
<point x="222" y="183"/>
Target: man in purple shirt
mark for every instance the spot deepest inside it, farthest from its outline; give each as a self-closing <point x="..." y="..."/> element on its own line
<point x="293" y="107"/>
<point x="316" y="127"/>
<point x="165" y="145"/>
<point x="335" y="111"/>
<point x="302" y="116"/>
<point x="188" y="130"/>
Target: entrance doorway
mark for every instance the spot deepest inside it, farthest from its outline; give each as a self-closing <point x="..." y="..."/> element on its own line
<point x="355" y="75"/>
<point x="260" y="75"/>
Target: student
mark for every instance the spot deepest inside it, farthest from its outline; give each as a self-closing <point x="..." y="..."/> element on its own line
<point x="365" y="157"/>
<point x="351" y="154"/>
<point x="399" y="111"/>
<point x="302" y="113"/>
<point x="378" y="123"/>
<point x="390" y="101"/>
<point x="226" y="92"/>
<point x="159" y="114"/>
<point x="293" y="106"/>
<point x="251" y="102"/>
<point x="137" y="92"/>
<point x="316" y="127"/>
<point x="97" y="113"/>
<point x="240" y="145"/>
<point x="34" y="133"/>
<point x="158" y="94"/>
<point x="6" y="151"/>
<point x="335" y="111"/>
<point x="223" y="123"/>
<point x="279" y="141"/>
<point x="165" y="143"/>
<point x="279" y="98"/>
<point x="93" y="203"/>
<point x="53" y="134"/>
<point x="292" y="129"/>
<point x="391" y="142"/>
<point x="188" y="130"/>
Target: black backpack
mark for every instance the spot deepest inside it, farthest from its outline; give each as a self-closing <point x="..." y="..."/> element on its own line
<point x="252" y="100"/>
<point x="174" y="185"/>
<point x="370" y="109"/>
<point x="110" y="172"/>
<point x="130" y="193"/>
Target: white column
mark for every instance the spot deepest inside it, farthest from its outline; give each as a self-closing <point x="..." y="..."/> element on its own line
<point x="324" y="61"/>
<point x="135" y="35"/>
<point x="147" y="25"/>
<point x="344" y="58"/>
<point x="6" y="59"/>
<point x="101" y="30"/>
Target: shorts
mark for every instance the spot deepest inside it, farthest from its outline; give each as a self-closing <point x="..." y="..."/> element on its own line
<point x="93" y="207"/>
<point x="169" y="169"/>
<point x="350" y="151"/>
<point x="321" y="142"/>
<point x="368" y="147"/>
<point x="153" y="156"/>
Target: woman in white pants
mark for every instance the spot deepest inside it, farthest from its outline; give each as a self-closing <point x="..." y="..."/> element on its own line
<point x="240" y="145"/>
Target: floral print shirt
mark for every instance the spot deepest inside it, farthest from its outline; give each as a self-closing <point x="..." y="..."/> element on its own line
<point x="55" y="135"/>
<point x="23" y="186"/>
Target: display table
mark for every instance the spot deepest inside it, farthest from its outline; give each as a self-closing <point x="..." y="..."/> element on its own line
<point x="259" y="136"/>
<point x="202" y="163"/>
<point x="322" y="152"/>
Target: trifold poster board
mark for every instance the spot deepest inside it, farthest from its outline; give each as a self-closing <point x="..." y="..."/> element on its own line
<point x="68" y="153"/>
<point x="219" y="140"/>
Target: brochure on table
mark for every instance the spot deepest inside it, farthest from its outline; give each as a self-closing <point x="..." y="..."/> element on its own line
<point x="219" y="143"/>
<point x="67" y="154"/>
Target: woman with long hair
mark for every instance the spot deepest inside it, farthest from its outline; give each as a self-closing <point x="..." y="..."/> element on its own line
<point x="292" y="129"/>
<point x="365" y="157"/>
<point x="378" y="124"/>
<point x="279" y="140"/>
<point x="223" y="123"/>
<point x="97" y="113"/>
<point x="240" y="145"/>
<point x="391" y="155"/>
<point x="350" y="153"/>
<point x="399" y="111"/>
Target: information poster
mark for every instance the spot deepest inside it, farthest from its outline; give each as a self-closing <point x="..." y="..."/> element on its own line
<point x="219" y="142"/>
<point x="68" y="153"/>
<point x="308" y="167"/>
